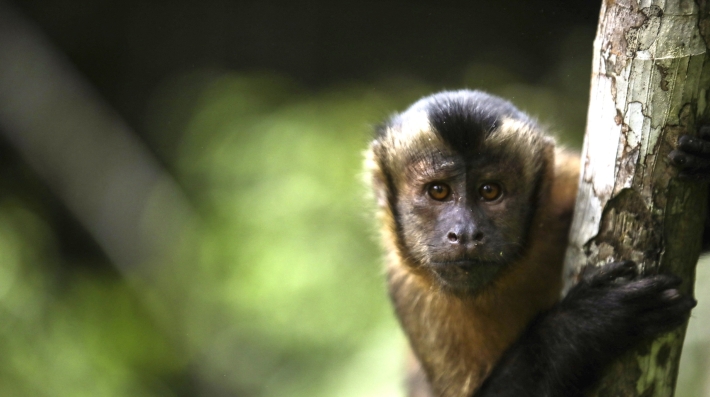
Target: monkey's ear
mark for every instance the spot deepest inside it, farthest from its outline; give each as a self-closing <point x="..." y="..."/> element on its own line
<point x="375" y="174"/>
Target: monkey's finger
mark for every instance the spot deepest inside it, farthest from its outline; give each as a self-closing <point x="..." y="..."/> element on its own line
<point x="622" y="269"/>
<point x="610" y="272"/>
<point x="663" y="319"/>
<point x="700" y="177"/>
<point x="644" y="290"/>
<point x="694" y="145"/>
<point x="671" y="301"/>
<point x="685" y="161"/>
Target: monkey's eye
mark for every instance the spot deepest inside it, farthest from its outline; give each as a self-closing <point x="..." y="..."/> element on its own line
<point x="439" y="191"/>
<point x="490" y="191"/>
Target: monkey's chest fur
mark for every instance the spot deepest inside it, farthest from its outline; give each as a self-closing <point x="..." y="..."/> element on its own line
<point x="458" y="340"/>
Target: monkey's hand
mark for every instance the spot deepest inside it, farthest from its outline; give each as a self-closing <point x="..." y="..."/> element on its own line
<point x="619" y="307"/>
<point x="692" y="156"/>
<point x="608" y="312"/>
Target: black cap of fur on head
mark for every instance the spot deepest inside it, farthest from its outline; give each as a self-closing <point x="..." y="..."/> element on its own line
<point x="463" y="118"/>
<point x="466" y="121"/>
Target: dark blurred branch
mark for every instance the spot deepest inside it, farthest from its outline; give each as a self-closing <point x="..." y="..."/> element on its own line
<point x="83" y="150"/>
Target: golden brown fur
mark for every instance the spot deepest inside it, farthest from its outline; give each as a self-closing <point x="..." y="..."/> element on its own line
<point x="459" y="338"/>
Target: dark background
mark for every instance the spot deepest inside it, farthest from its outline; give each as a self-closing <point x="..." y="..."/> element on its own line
<point x="126" y="48"/>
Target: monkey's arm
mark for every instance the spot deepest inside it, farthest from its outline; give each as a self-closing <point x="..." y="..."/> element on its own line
<point x="564" y="350"/>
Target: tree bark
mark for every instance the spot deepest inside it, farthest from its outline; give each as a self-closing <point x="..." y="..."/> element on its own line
<point x="650" y="84"/>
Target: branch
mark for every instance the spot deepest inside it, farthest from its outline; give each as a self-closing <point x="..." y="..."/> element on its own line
<point x="649" y="86"/>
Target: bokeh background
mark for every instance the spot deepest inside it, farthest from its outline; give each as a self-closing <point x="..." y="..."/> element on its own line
<point x="182" y="206"/>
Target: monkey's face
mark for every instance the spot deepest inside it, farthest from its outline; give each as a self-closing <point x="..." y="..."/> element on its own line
<point x="459" y="182"/>
<point x="464" y="216"/>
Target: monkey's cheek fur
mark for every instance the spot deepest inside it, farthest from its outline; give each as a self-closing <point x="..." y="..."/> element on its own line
<point x="465" y="276"/>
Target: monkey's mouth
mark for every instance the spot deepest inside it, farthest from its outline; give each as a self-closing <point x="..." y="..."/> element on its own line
<point x="465" y="274"/>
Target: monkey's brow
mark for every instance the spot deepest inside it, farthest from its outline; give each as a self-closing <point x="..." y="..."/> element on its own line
<point x="434" y="167"/>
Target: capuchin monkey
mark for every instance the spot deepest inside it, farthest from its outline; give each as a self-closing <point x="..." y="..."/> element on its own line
<point x="475" y="202"/>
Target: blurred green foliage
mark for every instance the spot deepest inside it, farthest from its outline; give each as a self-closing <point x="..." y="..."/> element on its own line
<point x="276" y="288"/>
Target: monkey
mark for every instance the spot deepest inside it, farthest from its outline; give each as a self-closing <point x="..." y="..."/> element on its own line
<point x="475" y="201"/>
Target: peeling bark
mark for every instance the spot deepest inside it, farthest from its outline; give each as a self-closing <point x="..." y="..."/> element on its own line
<point x="650" y="84"/>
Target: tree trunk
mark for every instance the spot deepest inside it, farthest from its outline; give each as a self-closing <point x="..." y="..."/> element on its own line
<point x="650" y="84"/>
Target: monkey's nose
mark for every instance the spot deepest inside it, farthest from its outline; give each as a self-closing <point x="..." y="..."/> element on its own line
<point x="474" y="238"/>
